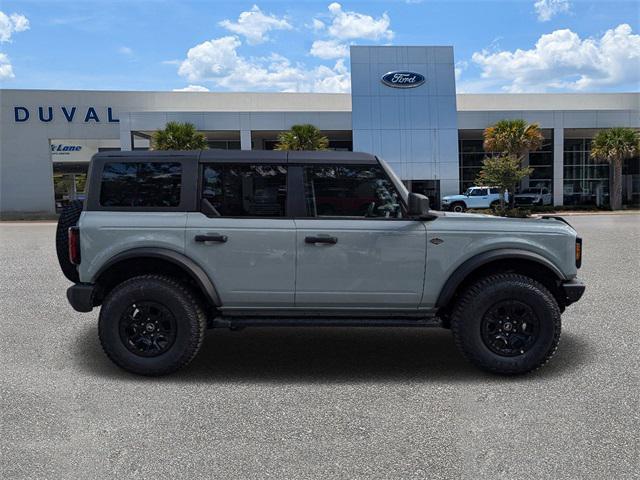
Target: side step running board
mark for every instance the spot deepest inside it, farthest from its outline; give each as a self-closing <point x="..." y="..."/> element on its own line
<point x="241" y="322"/>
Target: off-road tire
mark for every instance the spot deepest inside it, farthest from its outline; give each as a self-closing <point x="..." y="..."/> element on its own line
<point x="68" y="218"/>
<point x="178" y="299"/>
<point x="475" y="302"/>
<point x="458" y="207"/>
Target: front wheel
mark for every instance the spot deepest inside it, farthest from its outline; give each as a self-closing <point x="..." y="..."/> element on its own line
<point x="507" y="324"/>
<point x="151" y="325"/>
<point x="458" y="207"/>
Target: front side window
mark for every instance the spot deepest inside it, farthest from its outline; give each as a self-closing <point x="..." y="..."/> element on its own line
<point x="350" y="191"/>
<point x="477" y="192"/>
<point x="246" y="190"/>
<point x="141" y="184"/>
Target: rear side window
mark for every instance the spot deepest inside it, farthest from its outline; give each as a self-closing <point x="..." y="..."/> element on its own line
<point x="141" y="184"/>
<point x="494" y="191"/>
<point x="350" y="191"/>
<point x="246" y="190"/>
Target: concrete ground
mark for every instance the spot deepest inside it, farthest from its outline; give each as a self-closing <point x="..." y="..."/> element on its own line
<point x="319" y="403"/>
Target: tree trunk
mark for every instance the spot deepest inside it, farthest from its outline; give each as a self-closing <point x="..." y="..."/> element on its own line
<point x="615" y="193"/>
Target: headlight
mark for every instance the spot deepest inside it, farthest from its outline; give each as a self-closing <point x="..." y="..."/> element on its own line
<point x="445" y="200"/>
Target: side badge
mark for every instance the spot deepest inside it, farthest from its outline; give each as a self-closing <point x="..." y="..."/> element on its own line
<point x="436" y="241"/>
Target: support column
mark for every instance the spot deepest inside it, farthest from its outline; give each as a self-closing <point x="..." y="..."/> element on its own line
<point x="558" y="166"/>
<point x="125" y="133"/>
<point x="245" y="139"/>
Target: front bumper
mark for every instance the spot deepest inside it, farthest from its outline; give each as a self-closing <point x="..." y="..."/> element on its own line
<point x="81" y="296"/>
<point x="573" y="290"/>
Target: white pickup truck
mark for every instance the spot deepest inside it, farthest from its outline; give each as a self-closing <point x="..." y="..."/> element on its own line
<point x="473" y="197"/>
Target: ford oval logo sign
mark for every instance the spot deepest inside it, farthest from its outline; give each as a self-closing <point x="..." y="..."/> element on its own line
<point x="403" y="79"/>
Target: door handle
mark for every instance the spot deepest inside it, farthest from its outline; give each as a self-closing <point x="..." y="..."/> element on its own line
<point x="328" y="240"/>
<point x="211" y="238"/>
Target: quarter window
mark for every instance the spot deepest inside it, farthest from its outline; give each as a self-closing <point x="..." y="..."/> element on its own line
<point x="350" y="191"/>
<point x="141" y="184"/>
<point x="246" y="190"/>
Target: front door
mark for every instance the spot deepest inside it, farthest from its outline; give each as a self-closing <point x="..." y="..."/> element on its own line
<point x="478" y="198"/>
<point x="355" y="249"/>
<point x="242" y="237"/>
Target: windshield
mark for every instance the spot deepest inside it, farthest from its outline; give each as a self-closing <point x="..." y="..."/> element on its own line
<point x="404" y="193"/>
<point x="531" y="190"/>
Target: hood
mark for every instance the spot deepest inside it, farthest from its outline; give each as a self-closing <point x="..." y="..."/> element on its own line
<point x="478" y="221"/>
<point x="454" y="197"/>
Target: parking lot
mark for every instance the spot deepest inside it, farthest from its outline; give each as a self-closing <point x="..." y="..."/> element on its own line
<point x="324" y="402"/>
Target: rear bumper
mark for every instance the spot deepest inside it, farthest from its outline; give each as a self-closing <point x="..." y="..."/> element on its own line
<point x="81" y="296"/>
<point x="573" y="290"/>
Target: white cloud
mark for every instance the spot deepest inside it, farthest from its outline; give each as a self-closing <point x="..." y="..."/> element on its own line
<point x="6" y="70"/>
<point x="547" y="9"/>
<point x="327" y="49"/>
<point x="254" y="25"/>
<point x="562" y="60"/>
<point x="10" y="24"/>
<point x="125" y="51"/>
<point x="317" y="25"/>
<point x="347" y="25"/>
<point x="192" y="88"/>
<point x="218" y="61"/>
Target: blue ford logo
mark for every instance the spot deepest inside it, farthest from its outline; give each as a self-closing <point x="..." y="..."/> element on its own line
<point x="403" y="79"/>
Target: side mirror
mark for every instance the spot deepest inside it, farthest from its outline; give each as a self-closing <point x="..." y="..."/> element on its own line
<point x="418" y="205"/>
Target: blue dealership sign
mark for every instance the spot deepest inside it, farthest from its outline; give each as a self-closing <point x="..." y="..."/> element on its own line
<point x="403" y="79"/>
<point x="47" y="113"/>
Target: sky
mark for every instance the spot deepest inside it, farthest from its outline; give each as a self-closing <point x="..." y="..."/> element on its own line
<point x="499" y="46"/>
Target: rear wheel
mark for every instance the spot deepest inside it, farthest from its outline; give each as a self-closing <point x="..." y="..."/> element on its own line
<point x="507" y="324"/>
<point x="458" y="207"/>
<point x="495" y="204"/>
<point x="151" y="325"/>
<point x="68" y="218"/>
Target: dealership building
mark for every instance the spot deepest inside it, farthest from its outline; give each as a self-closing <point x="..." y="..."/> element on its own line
<point x="403" y="107"/>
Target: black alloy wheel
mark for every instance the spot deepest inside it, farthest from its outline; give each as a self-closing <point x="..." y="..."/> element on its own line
<point x="509" y="328"/>
<point x="147" y="329"/>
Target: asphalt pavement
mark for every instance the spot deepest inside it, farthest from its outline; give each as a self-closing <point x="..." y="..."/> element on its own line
<point x="319" y="402"/>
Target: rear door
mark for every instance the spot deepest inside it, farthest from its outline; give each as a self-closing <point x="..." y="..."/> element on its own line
<point x="242" y="236"/>
<point x="356" y="248"/>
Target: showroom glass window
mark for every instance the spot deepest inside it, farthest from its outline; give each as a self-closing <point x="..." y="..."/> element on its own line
<point x="141" y="184"/>
<point x="350" y="191"/>
<point x="472" y="154"/>
<point x="245" y="190"/>
<point x="586" y="181"/>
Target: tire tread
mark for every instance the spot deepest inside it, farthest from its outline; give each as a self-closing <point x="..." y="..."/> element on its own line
<point x="514" y="279"/>
<point x="196" y="333"/>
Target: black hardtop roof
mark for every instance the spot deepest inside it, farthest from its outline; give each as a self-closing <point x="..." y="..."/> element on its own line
<point x="245" y="156"/>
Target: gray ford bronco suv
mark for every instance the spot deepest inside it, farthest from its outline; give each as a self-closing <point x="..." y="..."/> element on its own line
<point x="172" y="243"/>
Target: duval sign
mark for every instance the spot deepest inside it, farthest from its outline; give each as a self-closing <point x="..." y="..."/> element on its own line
<point x="47" y="114"/>
<point x="402" y="79"/>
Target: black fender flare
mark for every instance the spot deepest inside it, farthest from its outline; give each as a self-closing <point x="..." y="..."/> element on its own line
<point x="194" y="270"/>
<point x="468" y="266"/>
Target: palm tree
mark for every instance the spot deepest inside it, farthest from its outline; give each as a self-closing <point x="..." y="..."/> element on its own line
<point x="614" y="146"/>
<point x="514" y="139"/>
<point x="178" y="136"/>
<point x="302" y="137"/>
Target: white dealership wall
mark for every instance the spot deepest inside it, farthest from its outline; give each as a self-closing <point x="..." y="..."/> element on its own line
<point x="414" y="129"/>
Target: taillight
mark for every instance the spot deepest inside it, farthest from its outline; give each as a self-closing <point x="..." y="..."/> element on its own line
<point x="578" y="252"/>
<point x="74" y="245"/>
